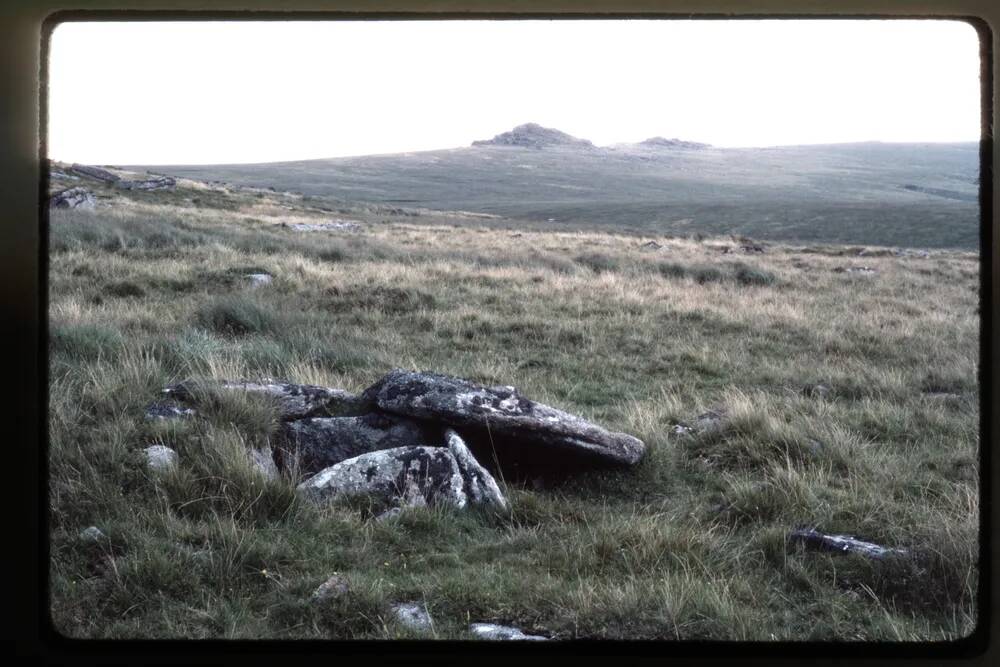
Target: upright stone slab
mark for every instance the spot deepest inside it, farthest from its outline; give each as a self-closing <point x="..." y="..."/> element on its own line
<point x="480" y="486"/>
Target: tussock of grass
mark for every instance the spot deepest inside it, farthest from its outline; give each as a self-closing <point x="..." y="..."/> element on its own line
<point x="236" y="316"/>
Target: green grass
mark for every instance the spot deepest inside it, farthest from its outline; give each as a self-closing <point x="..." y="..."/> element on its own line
<point x="914" y="195"/>
<point x="688" y="545"/>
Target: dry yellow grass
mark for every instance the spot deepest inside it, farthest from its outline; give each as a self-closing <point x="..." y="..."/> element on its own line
<point x="688" y="545"/>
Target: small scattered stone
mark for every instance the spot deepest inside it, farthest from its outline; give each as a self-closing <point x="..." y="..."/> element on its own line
<point x="814" y="539"/>
<point x="941" y="395"/>
<point x="160" y="458"/>
<point x="814" y="446"/>
<point x="331" y="226"/>
<point x="91" y="534"/>
<point x="160" y="411"/>
<point x="906" y="252"/>
<point x="413" y="615"/>
<point x="259" y="279"/>
<point x="862" y="270"/>
<point x="708" y="421"/>
<point x="819" y="391"/>
<point x="752" y="248"/>
<point x="495" y="632"/>
<point x="332" y="588"/>
<point x="202" y="555"/>
<point x="389" y="514"/>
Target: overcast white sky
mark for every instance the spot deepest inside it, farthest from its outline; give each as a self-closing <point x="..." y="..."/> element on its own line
<point x="216" y="92"/>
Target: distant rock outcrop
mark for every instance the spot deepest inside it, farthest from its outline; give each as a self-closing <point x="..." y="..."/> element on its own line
<point x="532" y="135"/>
<point x="660" y="142"/>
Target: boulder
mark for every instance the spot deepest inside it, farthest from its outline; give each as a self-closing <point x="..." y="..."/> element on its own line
<point x="294" y="401"/>
<point x="501" y="416"/>
<point x="495" y="632"/>
<point x="73" y="198"/>
<point x="388" y="476"/>
<point x="310" y="445"/>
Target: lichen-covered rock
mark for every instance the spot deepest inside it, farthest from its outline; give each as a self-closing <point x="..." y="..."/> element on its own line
<point x="73" y="198"/>
<point x="480" y="487"/>
<point x="310" y="445"/>
<point x="387" y="476"/>
<point x="294" y="401"/>
<point x="500" y="414"/>
<point x="160" y="458"/>
<point x="495" y="632"/>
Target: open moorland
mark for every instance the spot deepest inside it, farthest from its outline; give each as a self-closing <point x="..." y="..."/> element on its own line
<point x="842" y="380"/>
<point x="918" y="195"/>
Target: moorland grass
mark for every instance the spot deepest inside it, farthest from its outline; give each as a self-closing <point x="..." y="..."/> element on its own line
<point x="688" y="545"/>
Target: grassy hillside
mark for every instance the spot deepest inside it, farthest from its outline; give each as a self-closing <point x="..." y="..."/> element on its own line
<point x="917" y="195"/>
<point x="147" y="290"/>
